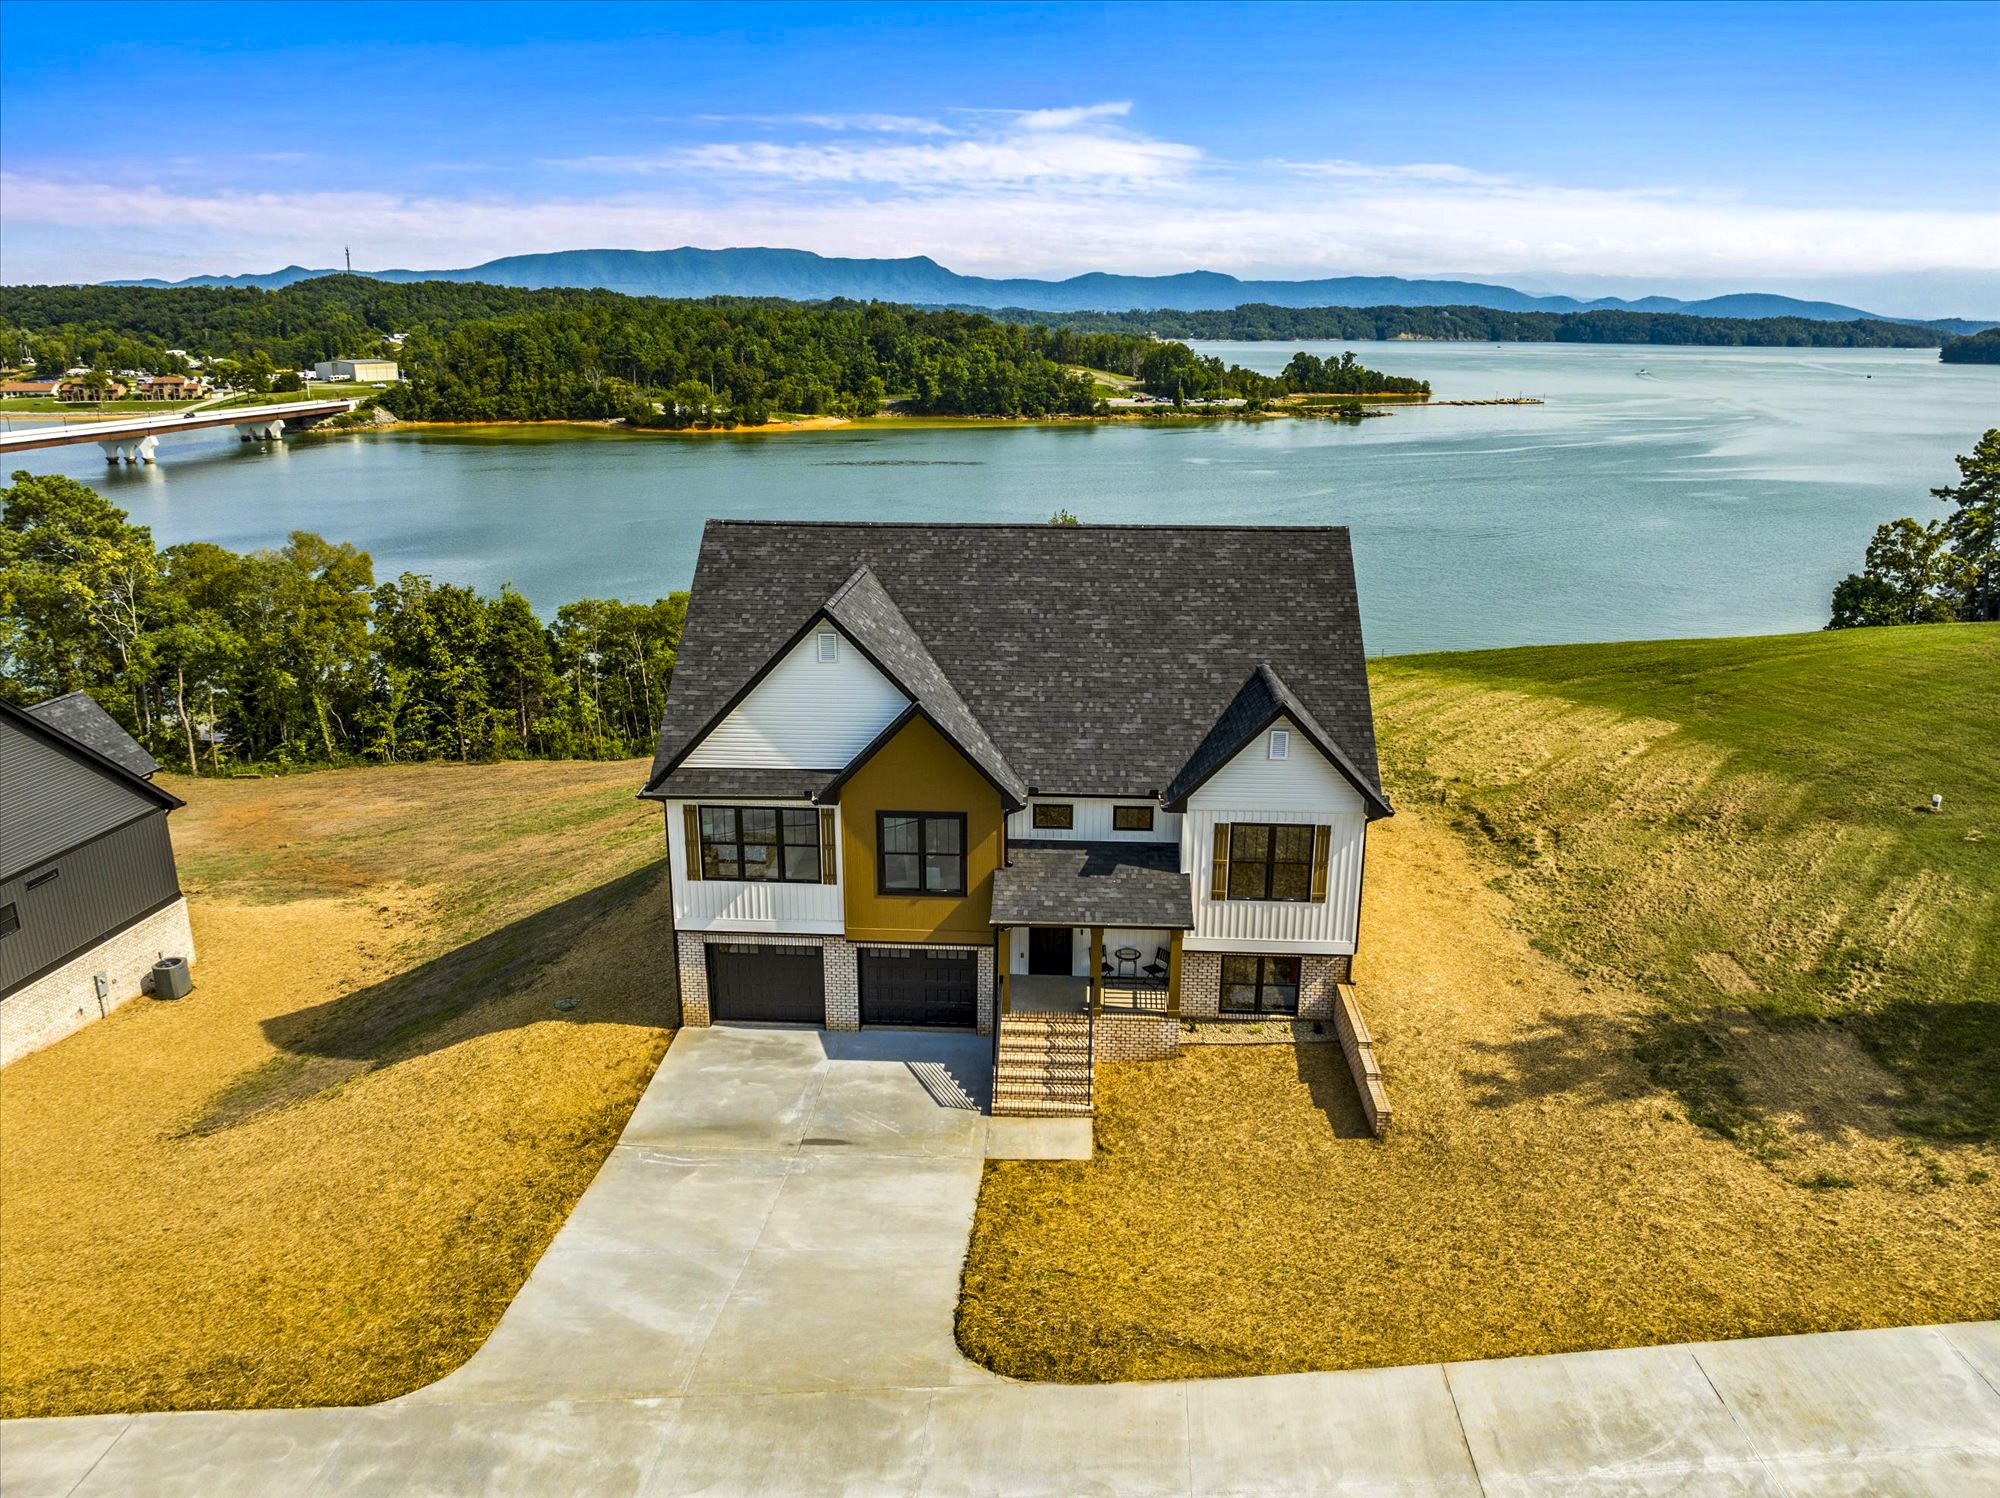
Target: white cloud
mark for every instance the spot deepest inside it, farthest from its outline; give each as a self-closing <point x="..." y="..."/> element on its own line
<point x="1415" y="171"/>
<point x="995" y="150"/>
<point x="873" y="124"/>
<point x="1069" y="119"/>
<point x="1002" y="200"/>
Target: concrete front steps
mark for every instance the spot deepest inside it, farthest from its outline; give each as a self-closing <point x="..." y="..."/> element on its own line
<point x="1043" y="1067"/>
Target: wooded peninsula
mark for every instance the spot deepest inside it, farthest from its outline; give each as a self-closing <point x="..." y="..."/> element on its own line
<point x="477" y="353"/>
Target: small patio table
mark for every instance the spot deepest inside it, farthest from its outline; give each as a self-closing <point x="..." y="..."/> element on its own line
<point x="1128" y="961"/>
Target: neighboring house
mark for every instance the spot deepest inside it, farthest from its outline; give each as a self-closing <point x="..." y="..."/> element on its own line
<point x="103" y="389"/>
<point x="22" y="389"/>
<point x="1101" y="780"/>
<point x="358" y="371"/>
<point x="89" y="897"/>
<point x="168" y="387"/>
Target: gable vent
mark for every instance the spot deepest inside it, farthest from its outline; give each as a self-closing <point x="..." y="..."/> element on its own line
<point x="829" y="645"/>
<point x="1281" y="744"/>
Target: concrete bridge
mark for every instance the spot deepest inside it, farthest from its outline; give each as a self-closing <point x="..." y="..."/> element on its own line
<point x="134" y="439"/>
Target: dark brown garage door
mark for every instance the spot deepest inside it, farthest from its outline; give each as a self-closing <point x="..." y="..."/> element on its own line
<point x="747" y="980"/>
<point x="907" y="987"/>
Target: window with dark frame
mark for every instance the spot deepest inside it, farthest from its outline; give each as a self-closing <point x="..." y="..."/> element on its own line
<point x="1270" y="861"/>
<point x="1058" y="816"/>
<point x="1131" y="819"/>
<point x="1259" y="985"/>
<point x="10" y="919"/>
<point x="920" y="852"/>
<point x="760" y="844"/>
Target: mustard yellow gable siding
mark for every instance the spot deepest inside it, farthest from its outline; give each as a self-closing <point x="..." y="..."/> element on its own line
<point x="919" y="770"/>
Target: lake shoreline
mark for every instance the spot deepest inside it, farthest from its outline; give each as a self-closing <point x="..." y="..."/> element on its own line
<point x="892" y="421"/>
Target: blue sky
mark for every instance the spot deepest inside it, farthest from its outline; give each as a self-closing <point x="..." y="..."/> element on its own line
<point x="1850" y="151"/>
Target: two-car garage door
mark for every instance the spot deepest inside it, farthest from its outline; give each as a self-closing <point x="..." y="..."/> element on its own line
<point x="753" y="981"/>
<point x="901" y="986"/>
<point x="911" y="986"/>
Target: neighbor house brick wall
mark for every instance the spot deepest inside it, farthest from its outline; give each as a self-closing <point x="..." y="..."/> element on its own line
<point x="1201" y="984"/>
<point x="841" y="965"/>
<point x="1136" y="1037"/>
<point x="42" y="1012"/>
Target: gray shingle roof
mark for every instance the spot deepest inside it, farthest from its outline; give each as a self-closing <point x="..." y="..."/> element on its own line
<point x="1097" y="659"/>
<point x="692" y="783"/>
<point x="864" y="609"/>
<point x="1263" y="699"/>
<point x="1092" y="884"/>
<point x="78" y="715"/>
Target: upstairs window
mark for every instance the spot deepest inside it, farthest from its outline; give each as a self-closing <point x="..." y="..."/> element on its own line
<point x="1270" y="861"/>
<point x="1281" y="744"/>
<point x="920" y="852"/>
<point x="1131" y="819"/>
<point x="760" y="844"/>
<point x="1058" y="816"/>
<point x="829" y="646"/>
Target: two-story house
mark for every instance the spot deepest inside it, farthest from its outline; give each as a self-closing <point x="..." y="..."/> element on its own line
<point x="1084" y="785"/>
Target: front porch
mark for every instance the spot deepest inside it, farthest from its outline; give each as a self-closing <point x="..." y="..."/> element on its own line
<point x="1088" y="939"/>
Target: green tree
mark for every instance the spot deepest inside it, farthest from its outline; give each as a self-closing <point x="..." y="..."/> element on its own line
<point x="1973" y="527"/>
<point x="76" y="588"/>
<point x="1911" y="577"/>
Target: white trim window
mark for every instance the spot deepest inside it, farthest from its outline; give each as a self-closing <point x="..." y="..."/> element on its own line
<point x="827" y="645"/>
<point x="1281" y="743"/>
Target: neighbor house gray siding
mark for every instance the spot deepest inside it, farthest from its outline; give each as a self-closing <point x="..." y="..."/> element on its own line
<point x="53" y="799"/>
<point x="99" y="888"/>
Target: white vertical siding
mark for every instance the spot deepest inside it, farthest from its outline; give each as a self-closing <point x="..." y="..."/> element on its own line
<point x="1092" y="822"/>
<point x="750" y="905"/>
<point x="1302" y="788"/>
<point x="807" y="714"/>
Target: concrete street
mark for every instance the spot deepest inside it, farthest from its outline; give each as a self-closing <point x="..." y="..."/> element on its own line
<point x="756" y="1296"/>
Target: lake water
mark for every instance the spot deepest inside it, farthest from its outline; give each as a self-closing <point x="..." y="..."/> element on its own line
<point x="1658" y="492"/>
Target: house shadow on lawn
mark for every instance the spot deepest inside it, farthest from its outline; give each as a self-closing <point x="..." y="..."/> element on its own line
<point x="1323" y="1068"/>
<point x="1587" y="1056"/>
<point x="476" y="989"/>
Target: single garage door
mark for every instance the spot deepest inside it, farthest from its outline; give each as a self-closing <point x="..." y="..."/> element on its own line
<point x="748" y="980"/>
<point x="901" y="986"/>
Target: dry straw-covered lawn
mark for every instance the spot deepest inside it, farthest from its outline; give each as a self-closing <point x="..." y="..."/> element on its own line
<point x="322" y="1177"/>
<point x="1689" y="1019"/>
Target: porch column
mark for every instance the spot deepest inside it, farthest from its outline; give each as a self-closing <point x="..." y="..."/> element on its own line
<point x="1174" y="975"/>
<point x="1097" y="969"/>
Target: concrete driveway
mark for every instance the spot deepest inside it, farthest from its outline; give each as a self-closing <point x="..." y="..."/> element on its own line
<point x="756" y="1296"/>
<point x="773" y="1181"/>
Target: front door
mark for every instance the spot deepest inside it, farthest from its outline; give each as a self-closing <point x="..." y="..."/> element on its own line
<point x="1049" y="950"/>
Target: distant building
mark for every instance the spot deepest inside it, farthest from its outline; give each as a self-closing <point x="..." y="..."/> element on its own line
<point x="89" y="897"/>
<point x="81" y="390"/>
<point x="358" y="371"/>
<point x="169" y="387"/>
<point x="22" y="389"/>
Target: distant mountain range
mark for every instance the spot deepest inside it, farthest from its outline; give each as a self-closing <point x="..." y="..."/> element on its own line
<point x="801" y="275"/>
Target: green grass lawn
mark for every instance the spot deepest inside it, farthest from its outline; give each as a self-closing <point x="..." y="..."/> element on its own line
<point x="1688" y="1006"/>
<point x="1744" y="825"/>
<point x="37" y="405"/>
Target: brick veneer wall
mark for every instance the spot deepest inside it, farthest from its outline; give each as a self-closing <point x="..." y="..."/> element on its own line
<point x="841" y="960"/>
<point x="1201" y="984"/>
<point x="65" y="1000"/>
<point x="1136" y="1037"/>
